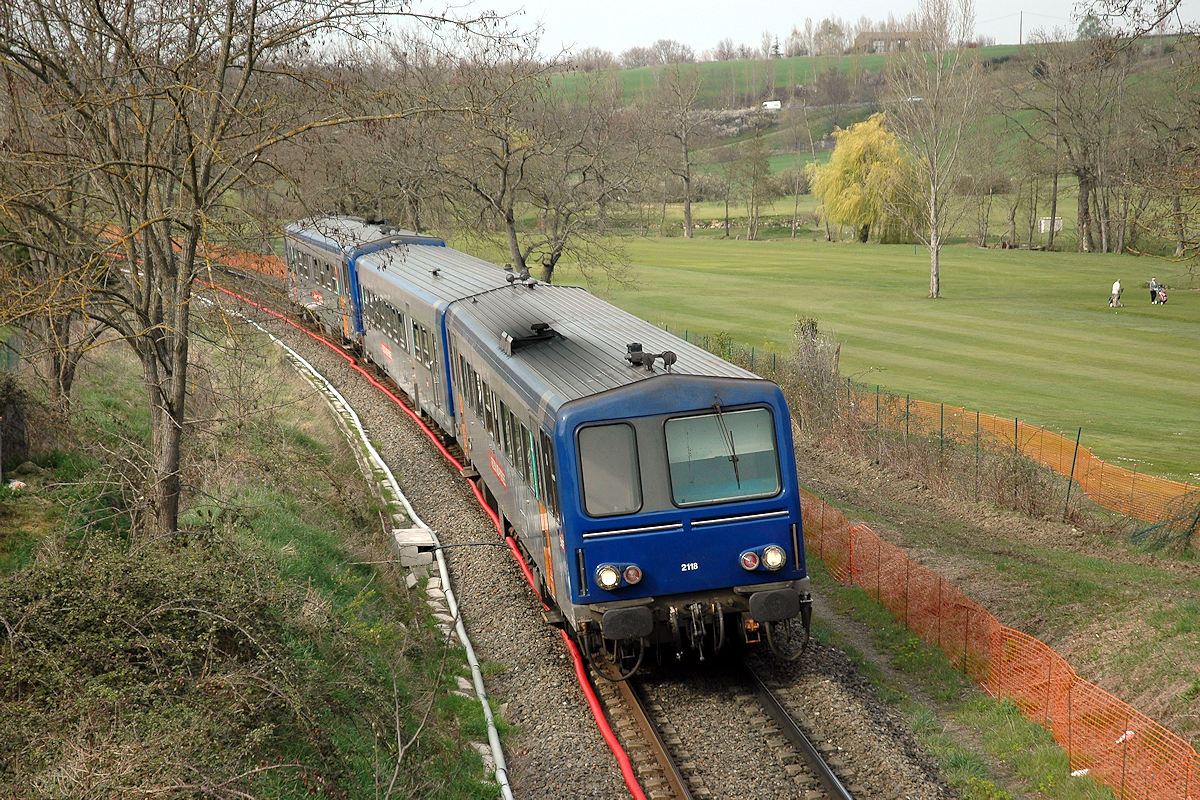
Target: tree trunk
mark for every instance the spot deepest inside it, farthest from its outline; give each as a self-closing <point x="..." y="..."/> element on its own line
<point x="864" y="233"/>
<point x="1086" y="242"/>
<point x="514" y="246"/>
<point x="1012" y="219"/>
<point x="935" y="246"/>
<point x="935" y="273"/>
<point x="985" y="213"/>
<point x="1180" y="231"/>
<point x="1104" y="213"/>
<point x="689" y="229"/>
<point x="1053" y="204"/>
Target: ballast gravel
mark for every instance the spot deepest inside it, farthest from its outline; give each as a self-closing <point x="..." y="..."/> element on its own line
<point x="554" y="749"/>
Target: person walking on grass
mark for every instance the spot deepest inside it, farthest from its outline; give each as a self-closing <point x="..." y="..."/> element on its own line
<point x="1154" y="287"/>
<point x="1115" y="300"/>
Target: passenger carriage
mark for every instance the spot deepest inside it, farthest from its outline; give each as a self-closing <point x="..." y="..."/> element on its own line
<point x="650" y="483"/>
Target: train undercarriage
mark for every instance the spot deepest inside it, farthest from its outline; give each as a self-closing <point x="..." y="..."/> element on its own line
<point x="623" y="637"/>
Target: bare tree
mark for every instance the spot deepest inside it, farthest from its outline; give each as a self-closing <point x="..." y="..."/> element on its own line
<point x="678" y="120"/>
<point x="518" y="147"/>
<point x="669" y="51"/>
<point x="170" y="110"/>
<point x="1078" y="93"/>
<point x="593" y="59"/>
<point x="932" y="96"/>
<point x="724" y="51"/>
<point x="48" y="267"/>
<point x="751" y="179"/>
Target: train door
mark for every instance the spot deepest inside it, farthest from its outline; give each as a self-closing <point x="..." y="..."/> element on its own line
<point x="341" y="280"/>
<point x="414" y="349"/>
<point x="427" y="374"/>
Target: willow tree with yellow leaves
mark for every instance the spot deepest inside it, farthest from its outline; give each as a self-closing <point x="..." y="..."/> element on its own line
<point x="867" y="182"/>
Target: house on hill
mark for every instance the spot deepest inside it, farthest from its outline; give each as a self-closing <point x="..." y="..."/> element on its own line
<point x="886" y="41"/>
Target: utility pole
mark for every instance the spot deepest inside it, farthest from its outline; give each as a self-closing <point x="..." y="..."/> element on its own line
<point x="1020" y="27"/>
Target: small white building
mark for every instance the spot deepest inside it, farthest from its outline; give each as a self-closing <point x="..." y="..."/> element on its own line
<point x="772" y="105"/>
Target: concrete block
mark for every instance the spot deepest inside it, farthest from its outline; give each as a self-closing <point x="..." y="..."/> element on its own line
<point x="413" y="537"/>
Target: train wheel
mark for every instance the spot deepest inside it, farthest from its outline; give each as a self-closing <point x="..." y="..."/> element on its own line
<point x="788" y="638"/>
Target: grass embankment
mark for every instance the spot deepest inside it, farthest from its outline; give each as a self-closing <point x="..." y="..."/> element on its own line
<point x="268" y="648"/>
<point x="1016" y="333"/>
<point x="986" y="750"/>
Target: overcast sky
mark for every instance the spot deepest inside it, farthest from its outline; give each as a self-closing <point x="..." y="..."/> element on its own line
<point x="617" y="25"/>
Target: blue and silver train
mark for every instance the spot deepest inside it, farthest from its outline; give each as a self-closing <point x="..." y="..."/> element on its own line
<point x="650" y="484"/>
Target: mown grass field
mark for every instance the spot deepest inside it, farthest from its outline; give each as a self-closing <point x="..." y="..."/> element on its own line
<point x="1016" y="333"/>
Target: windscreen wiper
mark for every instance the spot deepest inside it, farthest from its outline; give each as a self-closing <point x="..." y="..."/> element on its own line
<point x="727" y="437"/>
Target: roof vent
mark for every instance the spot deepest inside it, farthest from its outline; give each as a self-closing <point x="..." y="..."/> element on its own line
<point x="538" y="332"/>
<point x="637" y="357"/>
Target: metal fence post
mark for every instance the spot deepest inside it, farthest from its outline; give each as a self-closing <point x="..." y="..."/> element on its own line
<point x="976" y="451"/>
<point x="1071" y="477"/>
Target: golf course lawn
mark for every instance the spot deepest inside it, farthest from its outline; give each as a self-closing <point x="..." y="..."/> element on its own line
<point x="1015" y="333"/>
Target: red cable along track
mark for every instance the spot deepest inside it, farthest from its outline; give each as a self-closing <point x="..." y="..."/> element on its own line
<point x="593" y="702"/>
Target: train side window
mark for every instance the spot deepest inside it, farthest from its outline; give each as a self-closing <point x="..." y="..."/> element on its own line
<point x="510" y="435"/>
<point x="502" y="426"/>
<point x="522" y="453"/>
<point x="609" y="468"/>
<point x="531" y="453"/>
<point x="488" y="419"/>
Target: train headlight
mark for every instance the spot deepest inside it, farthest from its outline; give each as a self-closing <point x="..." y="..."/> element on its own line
<point x="749" y="560"/>
<point x="608" y="577"/>
<point x="633" y="574"/>
<point x="773" y="557"/>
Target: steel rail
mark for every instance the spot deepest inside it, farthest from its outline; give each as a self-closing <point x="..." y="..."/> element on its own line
<point x="792" y="730"/>
<point x="633" y="703"/>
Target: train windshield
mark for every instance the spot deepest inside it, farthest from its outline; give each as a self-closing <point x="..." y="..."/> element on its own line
<point x="729" y="455"/>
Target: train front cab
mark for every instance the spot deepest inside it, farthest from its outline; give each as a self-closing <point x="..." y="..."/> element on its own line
<point x="684" y="529"/>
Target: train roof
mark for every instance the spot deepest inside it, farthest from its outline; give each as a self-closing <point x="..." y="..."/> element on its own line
<point x="440" y="275"/>
<point x="422" y="264"/>
<point x="348" y="234"/>
<point x="582" y="349"/>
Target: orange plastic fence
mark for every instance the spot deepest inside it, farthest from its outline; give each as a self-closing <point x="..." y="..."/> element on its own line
<point x="1117" y="745"/>
<point x="241" y="259"/>
<point x="1144" y="497"/>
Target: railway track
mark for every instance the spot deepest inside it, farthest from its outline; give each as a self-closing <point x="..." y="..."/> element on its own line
<point x="669" y="767"/>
